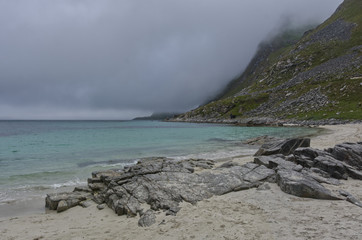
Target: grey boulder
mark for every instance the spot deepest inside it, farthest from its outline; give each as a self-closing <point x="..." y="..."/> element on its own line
<point x="147" y="219"/>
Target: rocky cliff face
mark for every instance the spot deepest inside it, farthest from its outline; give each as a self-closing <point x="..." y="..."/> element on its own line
<point x="317" y="77"/>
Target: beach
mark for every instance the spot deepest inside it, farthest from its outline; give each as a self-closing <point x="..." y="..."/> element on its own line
<point x="250" y="214"/>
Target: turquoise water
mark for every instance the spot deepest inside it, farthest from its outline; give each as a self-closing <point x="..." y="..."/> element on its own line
<point x="39" y="156"/>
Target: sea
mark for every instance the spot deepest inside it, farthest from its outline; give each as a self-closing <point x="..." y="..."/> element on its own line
<point x="40" y="157"/>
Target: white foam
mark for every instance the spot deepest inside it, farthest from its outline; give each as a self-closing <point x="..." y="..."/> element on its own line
<point x="75" y="182"/>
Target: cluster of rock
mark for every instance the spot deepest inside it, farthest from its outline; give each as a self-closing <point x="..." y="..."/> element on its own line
<point x="162" y="183"/>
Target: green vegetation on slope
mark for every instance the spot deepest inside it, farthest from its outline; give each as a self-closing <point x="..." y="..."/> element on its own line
<point x="317" y="77"/>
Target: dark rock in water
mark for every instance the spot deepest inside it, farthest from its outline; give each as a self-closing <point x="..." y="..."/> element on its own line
<point x="284" y="147"/>
<point x="301" y="185"/>
<point x="350" y="153"/>
<point x="147" y="219"/>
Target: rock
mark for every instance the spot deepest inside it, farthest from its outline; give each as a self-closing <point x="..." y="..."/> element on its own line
<point x="86" y="204"/>
<point x="350" y="153"/>
<point x="318" y="176"/>
<point x="82" y="189"/>
<point x="326" y="160"/>
<point x="163" y="183"/>
<point x="353" y="173"/>
<point x="201" y="163"/>
<point x="62" y="206"/>
<point x="263" y="187"/>
<point x="147" y="219"/>
<point x="354" y="201"/>
<point x="246" y="186"/>
<point x="173" y="211"/>
<point x="228" y="165"/>
<point x="94" y="180"/>
<point x="301" y="185"/>
<point x="97" y="186"/>
<point x="72" y="199"/>
<point x="350" y="198"/>
<point x="331" y="166"/>
<point x="344" y="193"/>
<point x="284" y="147"/>
<point x="101" y="206"/>
<point x="276" y="162"/>
<point x="305" y="156"/>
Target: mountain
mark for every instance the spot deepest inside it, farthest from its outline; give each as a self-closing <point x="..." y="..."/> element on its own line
<point x="311" y="76"/>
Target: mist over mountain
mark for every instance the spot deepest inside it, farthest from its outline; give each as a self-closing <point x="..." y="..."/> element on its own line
<point x="315" y="76"/>
<point x="120" y="59"/>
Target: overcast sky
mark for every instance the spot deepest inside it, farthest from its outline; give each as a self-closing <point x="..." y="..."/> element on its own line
<point x="116" y="59"/>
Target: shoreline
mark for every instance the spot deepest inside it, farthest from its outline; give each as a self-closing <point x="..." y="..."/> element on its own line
<point x="267" y="121"/>
<point x="14" y="202"/>
<point x="248" y="214"/>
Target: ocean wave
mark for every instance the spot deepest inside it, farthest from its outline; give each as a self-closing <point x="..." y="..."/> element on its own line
<point x="108" y="163"/>
<point x="37" y="175"/>
<point x="24" y="192"/>
<point x="71" y="183"/>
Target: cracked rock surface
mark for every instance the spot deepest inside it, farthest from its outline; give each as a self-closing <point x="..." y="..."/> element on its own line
<point x="155" y="184"/>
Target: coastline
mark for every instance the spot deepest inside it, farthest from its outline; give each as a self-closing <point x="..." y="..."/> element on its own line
<point x="251" y="214"/>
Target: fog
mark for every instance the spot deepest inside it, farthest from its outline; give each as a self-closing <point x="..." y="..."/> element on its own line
<point x="113" y="59"/>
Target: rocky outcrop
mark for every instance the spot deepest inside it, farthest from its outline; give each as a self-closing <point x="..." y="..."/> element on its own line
<point x="162" y="183"/>
<point x="301" y="172"/>
<point x="302" y="185"/>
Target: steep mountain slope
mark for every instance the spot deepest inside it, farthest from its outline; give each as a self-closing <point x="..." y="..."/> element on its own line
<point x="317" y="77"/>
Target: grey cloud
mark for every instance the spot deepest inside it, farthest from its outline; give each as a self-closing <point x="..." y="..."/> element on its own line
<point x="82" y="59"/>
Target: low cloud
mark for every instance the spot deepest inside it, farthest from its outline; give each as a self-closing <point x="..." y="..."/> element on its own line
<point x="117" y="59"/>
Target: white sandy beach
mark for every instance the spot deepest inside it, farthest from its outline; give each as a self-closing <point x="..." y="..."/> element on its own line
<point x="250" y="214"/>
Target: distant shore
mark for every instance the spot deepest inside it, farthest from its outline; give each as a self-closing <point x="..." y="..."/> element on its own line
<point x="266" y="121"/>
<point x="251" y="214"/>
